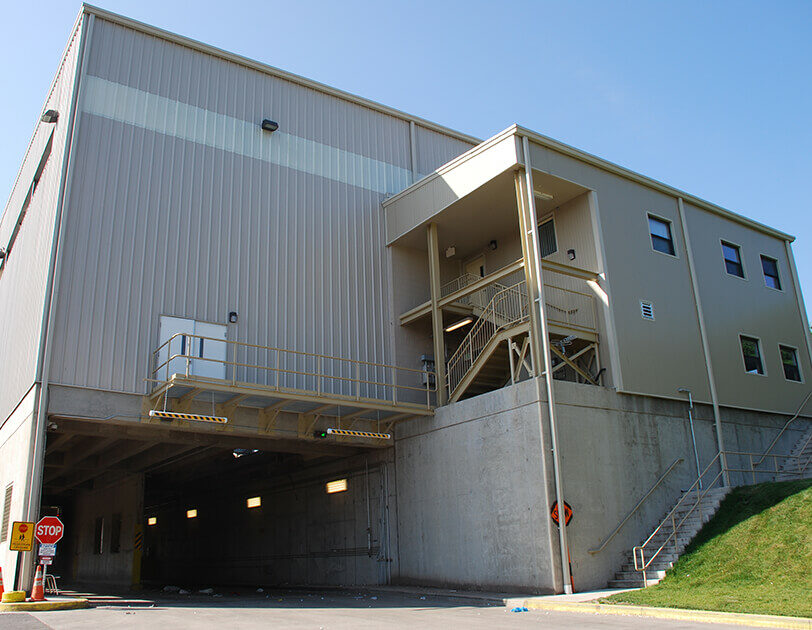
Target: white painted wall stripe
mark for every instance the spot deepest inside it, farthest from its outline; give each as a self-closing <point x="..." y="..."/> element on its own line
<point x="129" y="105"/>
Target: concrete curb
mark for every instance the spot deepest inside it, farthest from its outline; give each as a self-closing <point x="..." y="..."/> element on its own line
<point x="62" y="604"/>
<point x="682" y="614"/>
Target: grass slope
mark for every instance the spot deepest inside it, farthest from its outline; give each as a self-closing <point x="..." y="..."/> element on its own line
<point x="753" y="556"/>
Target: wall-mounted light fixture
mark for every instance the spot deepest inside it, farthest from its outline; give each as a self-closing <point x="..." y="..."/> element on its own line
<point x="339" y="485"/>
<point x="493" y="245"/>
<point x="571" y="254"/>
<point x="51" y="116"/>
<point x="459" y="324"/>
<point x="232" y="317"/>
<point x="269" y="125"/>
<point x="191" y="513"/>
<point x="450" y="251"/>
<point x="152" y="520"/>
<point x="253" y="502"/>
<point x="544" y="196"/>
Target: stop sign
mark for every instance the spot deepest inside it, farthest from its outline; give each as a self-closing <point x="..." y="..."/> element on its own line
<point x="49" y="530"/>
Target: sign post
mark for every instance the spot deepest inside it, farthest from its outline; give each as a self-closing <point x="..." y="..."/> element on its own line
<point x="49" y="531"/>
<point x="556" y="516"/>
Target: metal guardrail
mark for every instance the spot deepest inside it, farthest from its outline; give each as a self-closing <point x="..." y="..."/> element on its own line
<point x="631" y="513"/>
<point x="292" y="370"/>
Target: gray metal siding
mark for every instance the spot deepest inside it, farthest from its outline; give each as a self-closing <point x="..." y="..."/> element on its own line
<point x="182" y="206"/>
<point x="435" y="149"/>
<point x="25" y="272"/>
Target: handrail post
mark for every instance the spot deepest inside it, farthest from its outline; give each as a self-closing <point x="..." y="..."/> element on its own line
<point x="318" y="374"/>
<point x="752" y="468"/>
<point x="277" y="370"/>
<point x="674" y="531"/>
<point x="188" y="360"/>
<point x="358" y="381"/>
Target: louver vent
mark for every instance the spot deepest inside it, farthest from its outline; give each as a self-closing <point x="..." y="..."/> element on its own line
<point x="647" y="310"/>
<point x="6" y="513"/>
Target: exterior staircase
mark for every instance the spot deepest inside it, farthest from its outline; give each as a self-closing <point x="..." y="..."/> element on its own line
<point x="799" y="463"/>
<point x="504" y="315"/>
<point x="690" y="513"/>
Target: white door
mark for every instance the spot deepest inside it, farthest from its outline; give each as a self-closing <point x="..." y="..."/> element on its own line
<point x="197" y="341"/>
<point x="209" y="343"/>
<point x="170" y="326"/>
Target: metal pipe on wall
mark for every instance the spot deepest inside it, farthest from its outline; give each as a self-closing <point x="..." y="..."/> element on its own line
<point x="685" y="390"/>
<point x="535" y="260"/>
<point x="717" y="416"/>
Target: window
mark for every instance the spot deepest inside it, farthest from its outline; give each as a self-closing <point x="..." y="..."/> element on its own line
<point x="751" y="352"/>
<point x="115" y="533"/>
<point x="6" y="513"/>
<point x="770" y="268"/>
<point x="98" y="536"/>
<point x="733" y="259"/>
<point x="661" y="239"/>
<point x="547" y="240"/>
<point x="789" y="359"/>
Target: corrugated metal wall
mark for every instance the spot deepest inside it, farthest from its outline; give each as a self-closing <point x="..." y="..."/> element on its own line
<point x="24" y="273"/>
<point x="182" y="206"/>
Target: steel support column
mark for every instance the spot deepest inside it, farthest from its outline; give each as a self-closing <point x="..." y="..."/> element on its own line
<point x="437" y="314"/>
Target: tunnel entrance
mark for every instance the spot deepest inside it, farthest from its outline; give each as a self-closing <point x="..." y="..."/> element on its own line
<point x="214" y="510"/>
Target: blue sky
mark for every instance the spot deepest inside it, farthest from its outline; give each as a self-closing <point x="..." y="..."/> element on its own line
<point x="714" y="98"/>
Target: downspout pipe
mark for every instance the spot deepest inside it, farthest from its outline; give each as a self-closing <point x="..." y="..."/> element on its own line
<point x="703" y="334"/>
<point x="34" y="474"/>
<point x="548" y="367"/>
<point x="685" y="390"/>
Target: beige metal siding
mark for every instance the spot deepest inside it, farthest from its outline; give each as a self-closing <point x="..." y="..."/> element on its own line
<point x="182" y="206"/>
<point x="656" y="357"/>
<point x="24" y="274"/>
<point x="747" y="306"/>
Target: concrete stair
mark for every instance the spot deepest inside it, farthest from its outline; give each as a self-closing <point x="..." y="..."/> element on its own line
<point x="799" y="464"/>
<point x="689" y="519"/>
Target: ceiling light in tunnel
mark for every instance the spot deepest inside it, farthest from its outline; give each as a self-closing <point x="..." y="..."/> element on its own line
<point x="239" y="452"/>
<point x="339" y="485"/>
<point x="459" y="324"/>
<point x="191" y="513"/>
<point x="152" y="520"/>
<point x="253" y="502"/>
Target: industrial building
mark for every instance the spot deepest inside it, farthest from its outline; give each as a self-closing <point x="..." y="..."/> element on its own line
<point x="257" y="330"/>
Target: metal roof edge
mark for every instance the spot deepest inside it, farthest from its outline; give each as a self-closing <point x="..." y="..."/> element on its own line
<point x="606" y="165"/>
<point x="51" y="87"/>
<point x="473" y="151"/>
<point x="194" y="44"/>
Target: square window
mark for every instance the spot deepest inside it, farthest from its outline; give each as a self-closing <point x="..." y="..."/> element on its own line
<point x="733" y="259"/>
<point x="661" y="238"/>
<point x="770" y="268"/>
<point x="751" y="352"/>
<point x="789" y="359"/>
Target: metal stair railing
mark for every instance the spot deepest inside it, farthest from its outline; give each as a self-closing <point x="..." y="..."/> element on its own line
<point x="631" y="513"/>
<point x="784" y="428"/>
<point x="639" y="552"/>
<point x="507" y="307"/>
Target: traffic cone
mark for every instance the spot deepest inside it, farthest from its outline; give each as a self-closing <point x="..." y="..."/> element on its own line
<point x="38" y="592"/>
<point x="1" y="582"/>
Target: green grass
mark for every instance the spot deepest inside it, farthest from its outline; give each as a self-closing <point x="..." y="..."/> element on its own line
<point x="753" y="556"/>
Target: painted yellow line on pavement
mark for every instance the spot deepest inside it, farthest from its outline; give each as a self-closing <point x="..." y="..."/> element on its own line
<point x="709" y="616"/>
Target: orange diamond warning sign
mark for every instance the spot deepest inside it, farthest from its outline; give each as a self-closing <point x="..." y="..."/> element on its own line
<point x="567" y="513"/>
